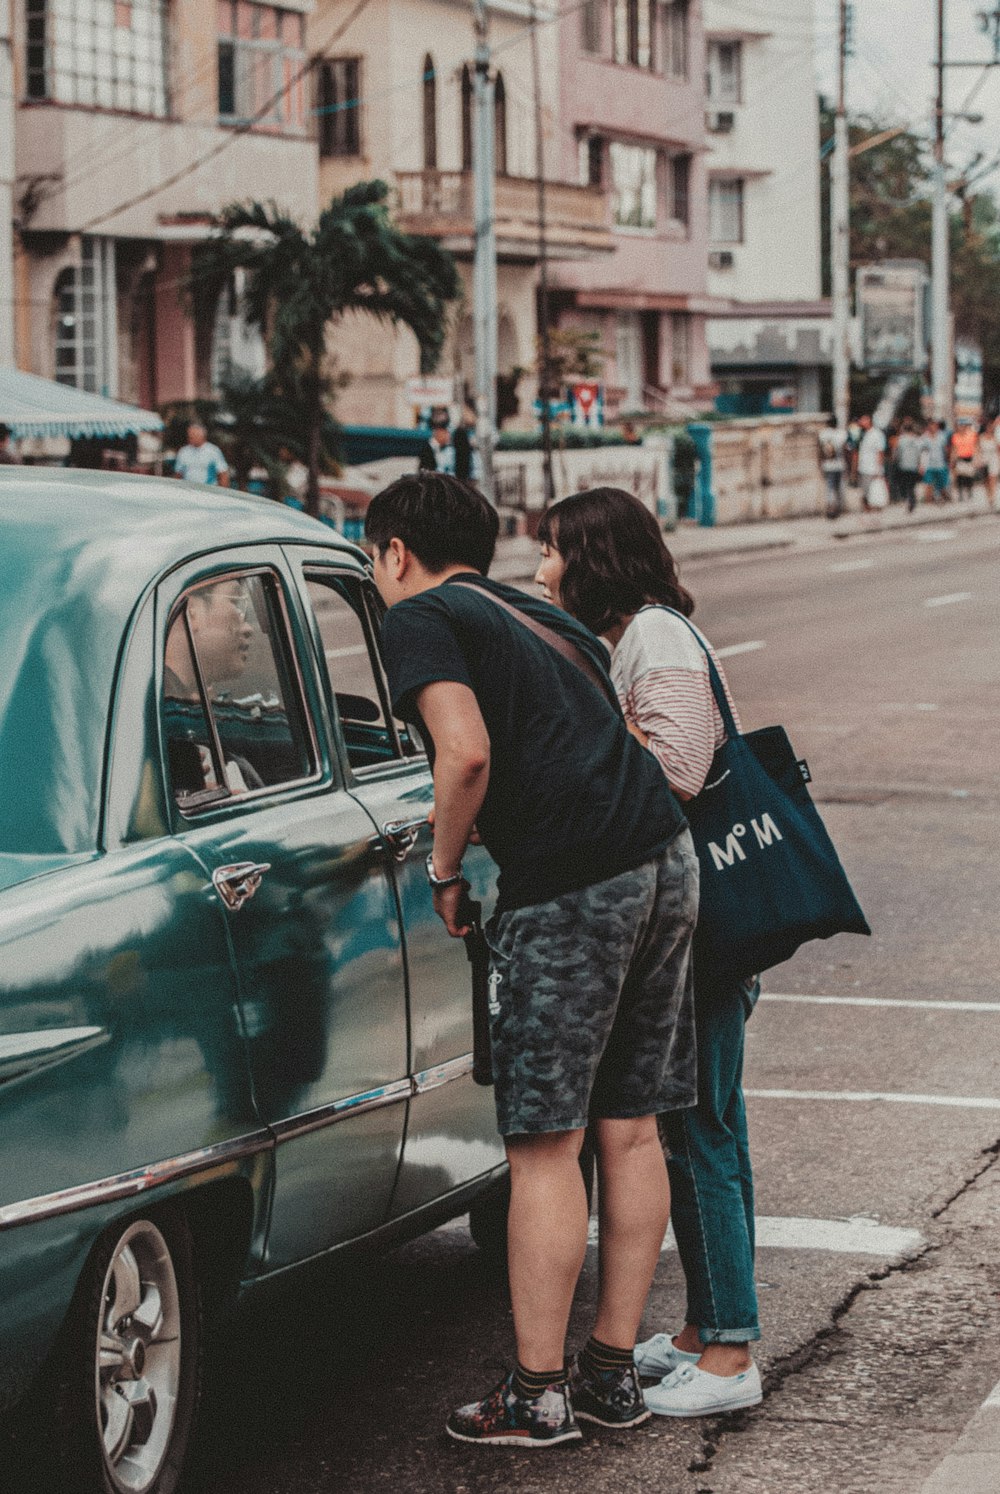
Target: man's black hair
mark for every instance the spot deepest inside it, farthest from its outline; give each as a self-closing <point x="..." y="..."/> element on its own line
<point x="442" y="520"/>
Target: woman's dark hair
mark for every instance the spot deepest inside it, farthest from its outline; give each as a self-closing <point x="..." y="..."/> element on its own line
<point x="443" y="520"/>
<point x="616" y="560"/>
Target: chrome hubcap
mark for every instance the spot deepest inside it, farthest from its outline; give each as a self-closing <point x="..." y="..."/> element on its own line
<point x="138" y="1358"/>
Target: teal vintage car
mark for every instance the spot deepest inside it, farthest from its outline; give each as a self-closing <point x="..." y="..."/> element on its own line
<point x="233" y="1036"/>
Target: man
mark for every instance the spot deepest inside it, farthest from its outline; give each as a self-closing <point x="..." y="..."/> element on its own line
<point x="907" y="457"/>
<point x="832" y="461"/>
<point x="964" y="447"/>
<point x="438" y="454"/>
<point x="871" y="458"/>
<point x="592" y="1008"/>
<point x="201" y="460"/>
<point x="934" y="457"/>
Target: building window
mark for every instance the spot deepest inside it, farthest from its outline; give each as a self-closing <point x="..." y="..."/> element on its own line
<point x="238" y="347"/>
<point x="725" y="211"/>
<point x="100" y="53"/>
<point x="591" y="149"/>
<point x="680" y="189"/>
<point x="85" y="332"/>
<point x="261" y="57"/>
<point x="724" y="78"/>
<point x="467" y="91"/>
<point x="633" y="23"/>
<point x="633" y="185"/>
<point x="680" y="348"/>
<point x="500" y="125"/>
<point x="590" y="25"/>
<point x="675" y="39"/>
<point x="339" y="107"/>
<point x="430" y="115"/>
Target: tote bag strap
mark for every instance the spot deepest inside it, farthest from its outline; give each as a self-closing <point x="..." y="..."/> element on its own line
<point x="718" y="688"/>
<point x="553" y="639"/>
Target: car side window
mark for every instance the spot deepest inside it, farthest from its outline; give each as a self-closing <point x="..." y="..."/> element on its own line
<point x="354" y="670"/>
<point x="233" y="721"/>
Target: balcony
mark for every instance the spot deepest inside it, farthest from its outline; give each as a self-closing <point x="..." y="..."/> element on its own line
<point x="440" y="204"/>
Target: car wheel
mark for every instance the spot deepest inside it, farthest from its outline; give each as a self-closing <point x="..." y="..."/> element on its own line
<point x="131" y="1378"/>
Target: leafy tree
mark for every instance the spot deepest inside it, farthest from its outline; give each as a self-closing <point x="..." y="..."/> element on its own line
<point x="298" y="283"/>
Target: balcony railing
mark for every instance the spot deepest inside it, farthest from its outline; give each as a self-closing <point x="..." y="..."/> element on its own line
<point x="440" y="203"/>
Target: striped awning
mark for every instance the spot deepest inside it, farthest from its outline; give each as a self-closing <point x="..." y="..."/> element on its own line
<point x="31" y="406"/>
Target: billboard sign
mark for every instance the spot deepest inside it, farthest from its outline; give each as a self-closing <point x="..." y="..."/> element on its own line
<point x="968" y="381"/>
<point x="891" y="298"/>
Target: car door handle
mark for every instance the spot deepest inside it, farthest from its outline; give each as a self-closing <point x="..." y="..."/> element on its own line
<point x="236" y="884"/>
<point x="399" y="836"/>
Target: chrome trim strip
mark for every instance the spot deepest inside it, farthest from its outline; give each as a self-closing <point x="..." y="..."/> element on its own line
<point x="444" y="1073"/>
<point x="129" y="1184"/>
<point x="338" y="1110"/>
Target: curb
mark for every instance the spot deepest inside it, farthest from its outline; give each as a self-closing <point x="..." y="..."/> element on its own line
<point x="971" y="1465"/>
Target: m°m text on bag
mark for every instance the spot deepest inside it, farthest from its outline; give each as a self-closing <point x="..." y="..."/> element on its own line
<point x="766" y="832"/>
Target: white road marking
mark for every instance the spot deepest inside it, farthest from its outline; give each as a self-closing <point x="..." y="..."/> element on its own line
<point x="946" y="601"/>
<point x="886" y="1001"/>
<point x="839" y="1236"/>
<point x="932" y="536"/>
<point x="739" y="648"/>
<point x="909" y="705"/>
<point x="993" y="1399"/>
<point x="852" y="565"/>
<point x="866" y="1097"/>
<point x="346" y="653"/>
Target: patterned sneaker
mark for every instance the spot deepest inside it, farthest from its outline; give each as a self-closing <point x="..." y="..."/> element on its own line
<point x="660" y="1356"/>
<point x="506" y="1419"/>
<point x="690" y="1391"/>
<point x="611" y="1398"/>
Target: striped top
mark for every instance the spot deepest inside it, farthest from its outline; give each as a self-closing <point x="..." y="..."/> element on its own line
<point x="661" y="676"/>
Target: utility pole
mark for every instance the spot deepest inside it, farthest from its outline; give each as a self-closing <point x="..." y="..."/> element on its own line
<point x="484" y="268"/>
<point x="840" y="240"/>
<point x="545" y="359"/>
<point x="7" y="116"/>
<point x="942" y="369"/>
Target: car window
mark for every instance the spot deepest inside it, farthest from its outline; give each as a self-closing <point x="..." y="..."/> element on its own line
<point x="354" y="670"/>
<point x="233" y="721"/>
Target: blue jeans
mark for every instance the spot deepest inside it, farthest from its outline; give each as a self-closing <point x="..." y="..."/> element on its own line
<point x="711" y="1181"/>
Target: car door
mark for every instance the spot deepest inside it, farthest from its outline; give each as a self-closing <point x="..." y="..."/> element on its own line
<point x="451" y="1134"/>
<point x="260" y="800"/>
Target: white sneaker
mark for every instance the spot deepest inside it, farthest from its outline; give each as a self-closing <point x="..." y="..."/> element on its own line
<point x="660" y="1356"/>
<point x="690" y="1391"/>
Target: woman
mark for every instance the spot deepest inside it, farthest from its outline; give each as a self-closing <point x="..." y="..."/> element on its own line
<point x="605" y="562"/>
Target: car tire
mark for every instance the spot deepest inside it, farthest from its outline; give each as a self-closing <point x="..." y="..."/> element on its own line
<point x="130" y="1380"/>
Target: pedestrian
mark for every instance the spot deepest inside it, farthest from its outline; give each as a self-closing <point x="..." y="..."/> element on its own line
<point x="907" y="463"/>
<point x="962" y="451"/>
<point x="605" y="560"/>
<point x="8" y="456"/>
<point x="871" y="461"/>
<point x="832" y="461"/>
<point x="438" y="454"/>
<point x="989" y="458"/>
<point x="934" y="461"/>
<point x="201" y="460"/>
<point x="590" y="969"/>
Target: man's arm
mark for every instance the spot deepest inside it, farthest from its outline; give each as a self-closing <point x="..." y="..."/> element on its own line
<point x="455" y="724"/>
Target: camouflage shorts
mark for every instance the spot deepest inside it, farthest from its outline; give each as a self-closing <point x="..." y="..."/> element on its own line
<point x="591" y="1000"/>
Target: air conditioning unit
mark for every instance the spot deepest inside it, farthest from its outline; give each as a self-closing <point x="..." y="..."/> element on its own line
<point x="721" y="259"/>
<point x="720" y="123"/>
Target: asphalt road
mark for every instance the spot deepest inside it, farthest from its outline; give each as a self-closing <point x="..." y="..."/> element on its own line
<point x="881" y="1336"/>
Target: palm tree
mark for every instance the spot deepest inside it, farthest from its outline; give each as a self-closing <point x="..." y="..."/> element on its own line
<point x="296" y="282"/>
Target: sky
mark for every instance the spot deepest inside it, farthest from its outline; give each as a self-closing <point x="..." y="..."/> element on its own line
<point x="890" y="72"/>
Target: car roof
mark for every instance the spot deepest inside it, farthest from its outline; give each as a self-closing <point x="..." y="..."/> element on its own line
<point x="77" y="550"/>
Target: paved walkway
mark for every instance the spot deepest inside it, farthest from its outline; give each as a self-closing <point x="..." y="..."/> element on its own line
<point x="517" y="558"/>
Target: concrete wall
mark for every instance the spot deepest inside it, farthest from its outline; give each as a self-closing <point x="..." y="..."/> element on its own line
<point x="766" y="469"/>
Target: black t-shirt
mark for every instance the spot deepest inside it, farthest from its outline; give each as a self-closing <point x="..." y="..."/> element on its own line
<point x="572" y="797"/>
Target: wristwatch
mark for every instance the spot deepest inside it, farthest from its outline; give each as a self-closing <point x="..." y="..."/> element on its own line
<point x="436" y="881"/>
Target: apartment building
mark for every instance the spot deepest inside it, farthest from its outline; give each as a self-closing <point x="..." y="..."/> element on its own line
<point x="631" y="122"/>
<point x="395" y="100"/>
<point x="771" y="342"/>
<point x="131" y="134"/>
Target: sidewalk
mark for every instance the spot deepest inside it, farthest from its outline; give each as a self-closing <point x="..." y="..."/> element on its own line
<point x="517" y="558"/>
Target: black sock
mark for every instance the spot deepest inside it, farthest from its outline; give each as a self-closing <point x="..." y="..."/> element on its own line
<point x="531" y="1383"/>
<point x="596" y="1356"/>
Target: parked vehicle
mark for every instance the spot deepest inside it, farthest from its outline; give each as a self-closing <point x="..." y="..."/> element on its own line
<point x="233" y="1036"/>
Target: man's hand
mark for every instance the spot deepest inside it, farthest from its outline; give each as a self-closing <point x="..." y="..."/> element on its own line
<point x="451" y="904"/>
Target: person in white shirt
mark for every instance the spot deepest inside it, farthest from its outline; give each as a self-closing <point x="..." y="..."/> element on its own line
<point x="871" y="458"/>
<point x="201" y="460"/>
<point x="833" y="463"/>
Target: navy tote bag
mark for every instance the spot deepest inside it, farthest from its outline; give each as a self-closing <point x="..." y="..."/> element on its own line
<point x="770" y="876"/>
